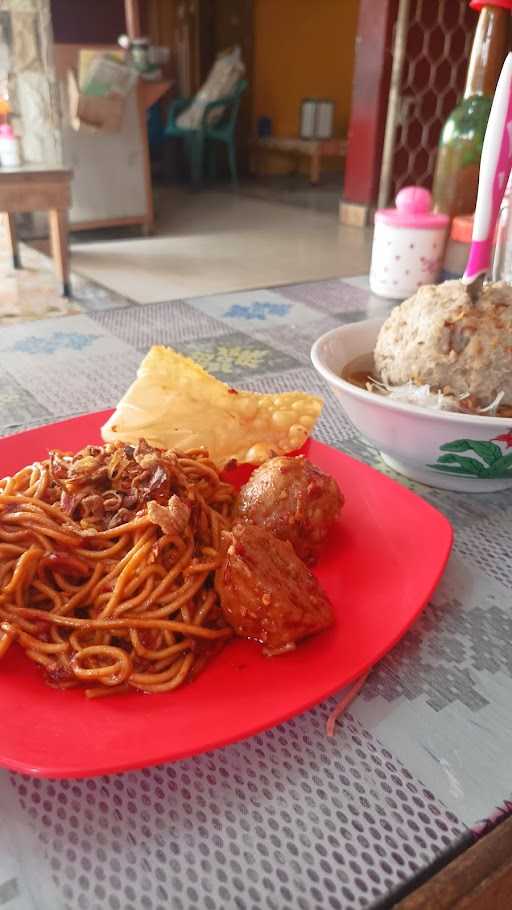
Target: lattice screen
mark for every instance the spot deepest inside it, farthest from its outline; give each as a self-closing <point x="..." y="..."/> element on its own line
<point x="438" y="44"/>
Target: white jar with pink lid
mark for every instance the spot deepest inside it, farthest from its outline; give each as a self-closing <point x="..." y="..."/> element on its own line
<point x="408" y="245"/>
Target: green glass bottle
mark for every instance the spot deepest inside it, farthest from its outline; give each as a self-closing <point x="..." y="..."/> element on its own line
<point x="460" y="146"/>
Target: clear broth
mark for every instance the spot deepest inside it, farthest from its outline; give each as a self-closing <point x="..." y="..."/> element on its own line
<point x="361" y="370"/>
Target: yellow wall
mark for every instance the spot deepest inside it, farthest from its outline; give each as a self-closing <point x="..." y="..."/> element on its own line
<point x="302" y="48"/>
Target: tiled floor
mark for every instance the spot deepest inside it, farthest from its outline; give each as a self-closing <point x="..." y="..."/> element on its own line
<point x="31" y="292"/>
<point x="214" y="242"/>
<point x="205" y="243"/>
<point x="296" y="190"/>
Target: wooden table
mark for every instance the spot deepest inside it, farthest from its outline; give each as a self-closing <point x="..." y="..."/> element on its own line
<point x="479" y="879"/>
<point x="314" y="149"/>
<point x="32" y="189"/>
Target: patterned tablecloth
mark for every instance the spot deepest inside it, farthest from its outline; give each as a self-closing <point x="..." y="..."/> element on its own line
<point x="288" y="820"/>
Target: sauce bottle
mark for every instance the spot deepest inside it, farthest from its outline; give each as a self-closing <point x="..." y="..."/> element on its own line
<point x="460" y="146"/>
<point x="5" y="104"/>
<point x="9" y="147"/>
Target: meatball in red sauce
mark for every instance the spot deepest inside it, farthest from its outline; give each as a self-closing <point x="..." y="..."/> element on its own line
<point x="266" y="592"/>
<point x="293" y="499"/>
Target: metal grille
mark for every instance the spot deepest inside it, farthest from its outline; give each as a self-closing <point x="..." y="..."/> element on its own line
<point x="432" y="43"/>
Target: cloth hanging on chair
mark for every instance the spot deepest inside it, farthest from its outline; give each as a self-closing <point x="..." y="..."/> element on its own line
<point x="222" y="79"/>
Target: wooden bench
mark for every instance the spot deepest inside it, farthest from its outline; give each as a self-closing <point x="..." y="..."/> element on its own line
<point x="314" y="149"/>
<point x="33" y="189"/>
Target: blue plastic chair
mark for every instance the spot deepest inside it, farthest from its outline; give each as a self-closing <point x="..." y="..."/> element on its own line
<point x="207" y="134"/>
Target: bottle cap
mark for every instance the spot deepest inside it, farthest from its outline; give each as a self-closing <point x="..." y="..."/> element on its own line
<point x="413" y="210"/>
<point x="462" y="228"/>
<point x="479" y="4"/>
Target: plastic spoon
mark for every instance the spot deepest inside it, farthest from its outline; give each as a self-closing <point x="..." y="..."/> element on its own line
<point x="494" y="170"/>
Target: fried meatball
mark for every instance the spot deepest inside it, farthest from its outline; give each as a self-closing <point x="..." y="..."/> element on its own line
<point x="266" y="592"/>
<point x="293" y="499"/>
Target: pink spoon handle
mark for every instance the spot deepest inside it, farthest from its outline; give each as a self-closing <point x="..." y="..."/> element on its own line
<point x="494" y="170"/>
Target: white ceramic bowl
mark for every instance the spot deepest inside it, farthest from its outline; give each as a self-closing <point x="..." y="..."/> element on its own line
<point x="438" y="448"/>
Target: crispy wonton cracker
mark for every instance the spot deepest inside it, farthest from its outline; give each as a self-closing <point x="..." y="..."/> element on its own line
<point x="175" y="404"/>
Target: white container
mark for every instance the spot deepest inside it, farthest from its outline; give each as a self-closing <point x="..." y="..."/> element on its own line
<point x="9" y="147"/>
<point x="415" y="441"/>
<point x="408" y="245"/>
<point x="307" y="118"/>
<point x="324" y="119"/>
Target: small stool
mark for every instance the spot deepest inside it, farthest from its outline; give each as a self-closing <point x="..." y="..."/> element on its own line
<point x="314" y="149"/>
<point x="32" y="189"/>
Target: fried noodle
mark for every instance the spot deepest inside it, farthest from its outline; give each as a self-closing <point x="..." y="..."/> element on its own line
<point x="107" y="560"/>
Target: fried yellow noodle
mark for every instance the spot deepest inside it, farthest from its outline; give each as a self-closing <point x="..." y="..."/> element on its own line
<point x="106" y="566"/>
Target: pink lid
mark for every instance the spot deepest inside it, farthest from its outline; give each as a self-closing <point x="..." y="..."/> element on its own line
<point x="413" y="210"/>
<point x="6" y="131"/>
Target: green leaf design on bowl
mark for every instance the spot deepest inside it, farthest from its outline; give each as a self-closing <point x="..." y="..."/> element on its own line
<point x="503" y="467"/>
<point x="490" y="462"/>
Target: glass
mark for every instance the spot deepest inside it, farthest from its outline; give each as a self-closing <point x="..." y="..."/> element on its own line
<point x="460" y="147"/>
<point x="502" y="262"/>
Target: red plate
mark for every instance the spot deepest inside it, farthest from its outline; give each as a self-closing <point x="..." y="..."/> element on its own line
<point x="380" y="567"/>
